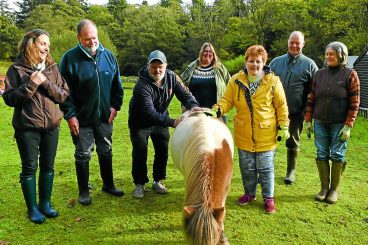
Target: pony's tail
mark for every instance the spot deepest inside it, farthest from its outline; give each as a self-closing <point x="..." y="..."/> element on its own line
<point x="202" y="228"/>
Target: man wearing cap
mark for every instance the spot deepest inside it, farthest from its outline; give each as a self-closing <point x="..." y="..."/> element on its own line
<point x="149" y="117"/>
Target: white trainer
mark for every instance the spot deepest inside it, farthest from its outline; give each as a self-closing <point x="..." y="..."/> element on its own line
<point x="159" y="187"/>
<point x="138" y="191"/>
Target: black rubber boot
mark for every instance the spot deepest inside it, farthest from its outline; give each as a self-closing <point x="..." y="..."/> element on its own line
<point x="107" y="176"/>
<point x="336" y="172"/>
<point x="324" y="177"/>
<point x="292" y="156"/>
<point x="28" y="184"/>
<point x="82" y="170"/>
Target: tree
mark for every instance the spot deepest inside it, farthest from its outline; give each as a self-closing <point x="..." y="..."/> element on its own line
<point x="26" y="6"/>
<point x="116" y="8"/>
<point x="9" y="37"/>
<point x="63" y="16"/>
<point x="148" y="28"/>
<point x="4" y="7"/>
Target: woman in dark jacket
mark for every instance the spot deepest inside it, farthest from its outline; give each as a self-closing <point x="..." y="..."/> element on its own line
<point x="34" y="87"/>
<point x="333" y="103"/>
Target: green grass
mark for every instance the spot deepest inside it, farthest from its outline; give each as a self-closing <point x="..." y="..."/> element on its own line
<point x="4" y="67"/>
<point x="157" y="219"/>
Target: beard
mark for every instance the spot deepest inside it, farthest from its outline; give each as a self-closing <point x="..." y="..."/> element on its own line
<point x="91" y="50"/>
<point x="156" y="77"/>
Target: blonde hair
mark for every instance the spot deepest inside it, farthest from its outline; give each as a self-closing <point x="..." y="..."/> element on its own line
<point x="214" y="61"/>
<point x="256" y="50"/>
<point x="28" y="52"/>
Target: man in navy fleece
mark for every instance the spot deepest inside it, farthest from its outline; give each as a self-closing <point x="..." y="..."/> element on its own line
<point x="96" y="95"/>
<point x="149" y="117"/>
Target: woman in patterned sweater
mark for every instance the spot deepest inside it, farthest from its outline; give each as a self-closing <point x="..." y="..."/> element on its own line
<point x="206" y="77"/>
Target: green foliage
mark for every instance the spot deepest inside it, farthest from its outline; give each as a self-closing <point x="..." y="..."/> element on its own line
<point x="4" y="66"/>
<point x="180" y="28"/>
<point x="234" y="65"/>
<point x="157" y="219"/>
<point x="146" y="29"/>
<point x="63" y="16"/>
<point x="9" y="35"/>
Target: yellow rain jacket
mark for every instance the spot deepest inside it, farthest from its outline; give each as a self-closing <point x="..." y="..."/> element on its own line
<point x="269" y="111"/>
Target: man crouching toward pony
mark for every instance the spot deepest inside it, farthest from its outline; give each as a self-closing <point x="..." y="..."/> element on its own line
<point x="202" y="149"/>
<point x="261" y="119"/>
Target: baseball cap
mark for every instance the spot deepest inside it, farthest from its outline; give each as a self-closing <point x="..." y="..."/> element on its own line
<point x="156" y="55"/>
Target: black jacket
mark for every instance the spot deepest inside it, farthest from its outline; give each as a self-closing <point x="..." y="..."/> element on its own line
<point x="149" y="103"/>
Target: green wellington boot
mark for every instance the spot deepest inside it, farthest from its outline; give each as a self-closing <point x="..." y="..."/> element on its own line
<point x="45" y="182"/>
<point x="336" y="172"/>
<point x="324" y="177"/>
<point x="28" y="184"/>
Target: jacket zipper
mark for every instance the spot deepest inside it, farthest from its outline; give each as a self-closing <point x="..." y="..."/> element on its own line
<point x="99" y="89"/>
<point x="327" y="95"/>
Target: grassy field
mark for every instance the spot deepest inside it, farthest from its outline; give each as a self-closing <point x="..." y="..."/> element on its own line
<point x="4" y="67"/>
<point x="157" y="219"/>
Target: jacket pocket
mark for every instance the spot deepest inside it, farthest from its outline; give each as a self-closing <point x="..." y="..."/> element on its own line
<point x="238" y="122"/>
<point x="265" y="124"/>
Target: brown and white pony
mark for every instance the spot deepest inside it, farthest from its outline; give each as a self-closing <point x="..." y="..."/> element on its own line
<point x="202" y="149"/>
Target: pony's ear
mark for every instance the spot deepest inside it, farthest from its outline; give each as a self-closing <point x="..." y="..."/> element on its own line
<point x="189" y="211"/>
<point x="219" y="214"/>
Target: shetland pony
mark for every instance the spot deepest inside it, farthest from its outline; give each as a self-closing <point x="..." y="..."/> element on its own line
<point x="202" y="149"/>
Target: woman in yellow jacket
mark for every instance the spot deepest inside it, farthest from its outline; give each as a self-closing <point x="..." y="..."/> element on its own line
<point x="261" y="119"/>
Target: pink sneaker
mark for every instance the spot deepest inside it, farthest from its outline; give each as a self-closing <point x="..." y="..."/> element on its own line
<point x="269" y="205"/>
<point x="245" y="199"/>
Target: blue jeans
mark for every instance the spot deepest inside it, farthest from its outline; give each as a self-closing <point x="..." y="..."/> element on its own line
<point x="254" y="165"/>
<point x="327" y="141"/>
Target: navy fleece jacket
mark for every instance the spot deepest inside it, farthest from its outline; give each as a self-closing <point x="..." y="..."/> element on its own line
<point x="149" y="103"/>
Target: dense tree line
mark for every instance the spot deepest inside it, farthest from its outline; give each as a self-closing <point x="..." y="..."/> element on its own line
<point x="132" y="31"/>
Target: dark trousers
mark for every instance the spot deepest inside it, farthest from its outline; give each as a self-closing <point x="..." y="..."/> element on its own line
<point x="295" y="130"/>
<point x="34" y="145"/>
<point x="160" y="138"/>
<point x="101" y="135"/>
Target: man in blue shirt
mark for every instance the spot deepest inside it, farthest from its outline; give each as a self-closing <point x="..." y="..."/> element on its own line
<point x="296" y="72"/>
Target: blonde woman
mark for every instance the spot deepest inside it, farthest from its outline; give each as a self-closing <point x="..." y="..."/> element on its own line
<point x="206" y="77"/>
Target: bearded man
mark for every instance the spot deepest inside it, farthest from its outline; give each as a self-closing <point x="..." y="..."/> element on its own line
<point x="149" y="117"/>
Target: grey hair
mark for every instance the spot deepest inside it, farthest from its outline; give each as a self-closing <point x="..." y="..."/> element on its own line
<point x="341" y="52"/>
<point x="83" y="23"/>
<point x="297" y="33"/>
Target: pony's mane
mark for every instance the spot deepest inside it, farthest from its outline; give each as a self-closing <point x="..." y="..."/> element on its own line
<point x="197" y="163"/>
<point x="200" y="146"/>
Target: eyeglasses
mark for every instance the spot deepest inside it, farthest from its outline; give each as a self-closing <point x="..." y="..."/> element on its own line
<point x="207" y="52"/>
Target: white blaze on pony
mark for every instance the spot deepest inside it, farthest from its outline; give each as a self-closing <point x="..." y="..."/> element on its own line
<point x="202" y="149"/>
